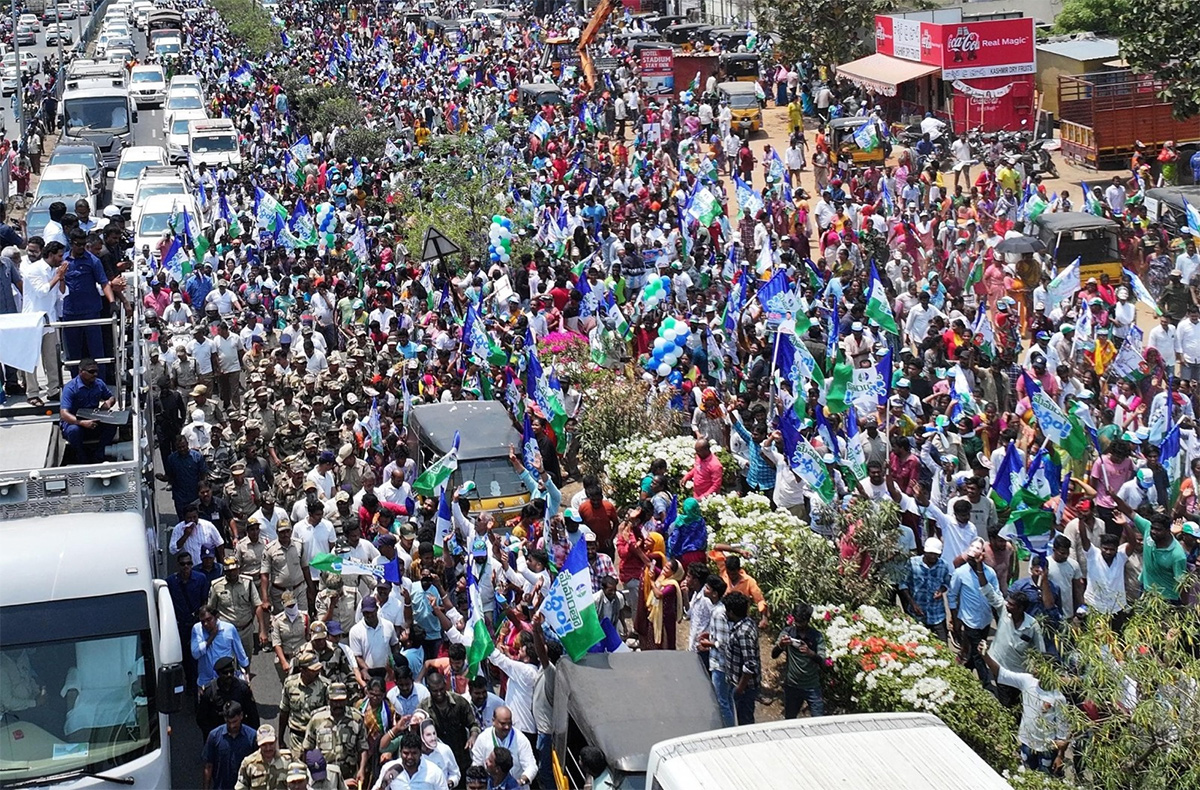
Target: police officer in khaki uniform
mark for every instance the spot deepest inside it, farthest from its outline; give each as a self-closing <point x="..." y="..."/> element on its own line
<point x="337" y="601"/>
<point x="289" y="631"/>
<point x="321" y="420"/>
<point x="249" y="552"/>
<point x="261" y="410"/>
<point x="267" y="768"/>
<point x="237" y="600"/>
<point x="303" y="695"/>
<point x="284" y="569"/>
<point x="241" y="493"/>
<point x="340" y="666"/>
<point x="297" y="777"/>
<point x="338" y="731"/>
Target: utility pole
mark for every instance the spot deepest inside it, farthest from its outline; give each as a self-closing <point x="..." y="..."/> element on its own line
<point x="19" y="96"/>
<point x="58" y="27"/>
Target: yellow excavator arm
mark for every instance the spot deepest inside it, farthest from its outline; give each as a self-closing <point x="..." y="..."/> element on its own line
<point x="600" y="15"/>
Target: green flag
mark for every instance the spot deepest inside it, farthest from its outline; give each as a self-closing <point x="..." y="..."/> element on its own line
<point x="834" y="395"/>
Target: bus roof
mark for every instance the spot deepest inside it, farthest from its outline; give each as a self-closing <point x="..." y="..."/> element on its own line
<point x="890" y="750"/>
<point x="90" y="554"/>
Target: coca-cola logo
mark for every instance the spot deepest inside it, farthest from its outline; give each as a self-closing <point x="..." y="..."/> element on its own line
<point x="880" y="33"/>
<point x="926" y="41"/>
<point x="964" y="42"/>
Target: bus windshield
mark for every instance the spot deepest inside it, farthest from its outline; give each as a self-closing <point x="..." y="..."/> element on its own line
<point x="97" y="114"/>
<point x="213" y="144"/>
<point x="75" y="700"/>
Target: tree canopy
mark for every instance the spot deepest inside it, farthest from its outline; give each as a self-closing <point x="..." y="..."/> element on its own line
<point x="1158" y="37"/>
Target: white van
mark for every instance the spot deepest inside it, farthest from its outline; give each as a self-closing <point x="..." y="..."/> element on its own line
<point x="134" y="160"/>
<point x="899" y="751"/>
<point x="214" y="142"/>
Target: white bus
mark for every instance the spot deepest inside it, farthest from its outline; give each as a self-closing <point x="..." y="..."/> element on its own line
<point x="90" y="654"/>
<point x="897" y="751"/>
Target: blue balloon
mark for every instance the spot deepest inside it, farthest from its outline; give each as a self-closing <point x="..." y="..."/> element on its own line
<point x="680" y="340"/>
<point x="506" y="222"/>
<point x="666" y="283"/>
<point x="495" y="257"/>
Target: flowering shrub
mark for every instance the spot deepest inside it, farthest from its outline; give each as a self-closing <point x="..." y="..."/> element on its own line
<point x="627" y="462"/>
<point x="880" y="662"/>
<point x="614" y="410"/>
<point x="571" y="355"/>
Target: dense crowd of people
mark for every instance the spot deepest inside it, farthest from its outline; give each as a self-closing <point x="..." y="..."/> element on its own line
<point x="872" y="325"/>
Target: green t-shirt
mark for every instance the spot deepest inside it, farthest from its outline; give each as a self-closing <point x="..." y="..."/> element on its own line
<point x="803" y="671"/>
<point x="1162" y="569"/>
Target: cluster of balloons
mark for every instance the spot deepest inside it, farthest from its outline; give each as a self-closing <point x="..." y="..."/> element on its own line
<point x="500" y="239"/>
<point x="656" y="290"/>
<point x="668" y="346"/>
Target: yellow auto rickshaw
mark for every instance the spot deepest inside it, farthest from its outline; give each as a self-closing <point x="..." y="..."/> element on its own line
<point x="844" y="145"/>
<point x="745" y="106"/>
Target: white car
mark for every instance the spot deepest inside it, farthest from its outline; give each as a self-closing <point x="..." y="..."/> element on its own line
<point x="31" y="20"/>
<point x="134" y="160"/>
<point x="176" y="131"/>
<point x="168" y="47"/>
<point x="8" y="81"/>
<point x="120" y="54"/>
<point x="59" y="31"/>
<point x="185" y="82"/>
<point x="183" y="99"/>
<point x="156" y="215"/>
<point x="154" y="181"/>
<point x="29" y="62"/>
<point x="67" y="183"/>
<point x="148" y="84"/>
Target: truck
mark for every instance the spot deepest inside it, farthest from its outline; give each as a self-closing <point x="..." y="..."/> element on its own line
<point x="1104" y="114"/>
<point x="90" y="650"/>
<point x="899" y="751"/>
<point x="34" y="6"/>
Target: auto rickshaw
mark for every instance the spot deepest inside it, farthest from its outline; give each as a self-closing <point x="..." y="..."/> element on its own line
<point x="535" y="95"/>
<point x="688" y="36"/>
<point x="485" y="431"/>
<point x="1164" y="205"/>
<point x="624" y="703"/>
<point x="730" y="38"/>
<point x="842" y="143"/>
<point x="745" y="106"/>
<point x="740" y="66"/>
<point x="1075" y="234"/>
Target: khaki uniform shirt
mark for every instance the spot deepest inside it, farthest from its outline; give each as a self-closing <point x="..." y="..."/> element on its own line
<point x="289" y="634"/>
<point x="254" y="774"/>
<point x="250" y="555"/>
<point x="343" y="610"/>
<point x="235" y="603"/>
<point x="283" y="565"/>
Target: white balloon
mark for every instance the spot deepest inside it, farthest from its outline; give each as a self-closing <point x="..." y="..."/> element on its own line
<point x="660" y="342"/>
<point x="664" y="369"/>
<point x="504" y="256"/>
<point x="669" y="335"/>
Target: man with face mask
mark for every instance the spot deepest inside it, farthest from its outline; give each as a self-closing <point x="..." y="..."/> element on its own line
<point x="288" y="634"/>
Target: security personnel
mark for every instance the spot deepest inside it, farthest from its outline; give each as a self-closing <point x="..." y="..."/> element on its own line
<point x="289" y="630"/>
<point x="322" y="775"/>
<point x="339" y="664"/>
<point x="303" y="695"/>
<point x="249" y="552"/>
<point x="267" y="768"/>
<point x="260" y="409"/>
<point x="297" y="777"/>
<point x="338" y="731"/>
<point x="284" y="569"/>
<point x="236" y="599"/>
<point x="241" y="493"/>
<point x="337" y="601"/>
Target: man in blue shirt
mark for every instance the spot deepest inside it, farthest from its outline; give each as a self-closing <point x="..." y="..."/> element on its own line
<point x="197" y="286"/>
<point x="86" y="281"/>
<point x="226" y="747"/>
<point x="87" y="438"/>
<point x="973" y="595"/>
<point x="189" y="591"/>
<point x="928" y="580"/>
<point x="212" y="639"/>
<point x="185" y="469"/>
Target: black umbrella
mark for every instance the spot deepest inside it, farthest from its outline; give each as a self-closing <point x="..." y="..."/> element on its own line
<point x="1021" y="244"/>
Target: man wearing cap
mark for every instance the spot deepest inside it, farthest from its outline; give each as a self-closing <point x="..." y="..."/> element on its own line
<point x="337" y="730"/>
<point x="267" y="768"/>
<point x="289" y="630"/>
<point x="336" y="601"/>
<point x="340" y="667"/>
<point x="372" y="639"/>
<point x="238" y="601"/>
<point x="225" y="747"/>
<point x="284" y="569"/>
<point x="303" y="694"/>
<point x="924" y="590"/>
<point x="214" y="413"/>
<point x="228" y="687"/>
<point x="240" y="493"/>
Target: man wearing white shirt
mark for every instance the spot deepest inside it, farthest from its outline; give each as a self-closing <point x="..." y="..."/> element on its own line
<point x="396" y="609"/>
<point x="322" y="474"/>
<point x="269" y="516"/>
<point x="224" y="299"/>
<point x="412" y="771"/>
<point x="316" y="534"/>
<point x="194" y="534"/>
<point x="407" y="694"/>
<point x="502" y="733"/>
<point x="395" y="490"/>
<point x="1115" y="195"/>
<point x="1164" y="338"/>
<point x="1187" y="261"/>
<point x="1188" y="344"/>
<point x="371" y="640"/>
<point x="43" y="293"/>
<point x="919" y="319"/>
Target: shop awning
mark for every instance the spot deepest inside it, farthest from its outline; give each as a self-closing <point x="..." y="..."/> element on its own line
<point x="882" y="73"/>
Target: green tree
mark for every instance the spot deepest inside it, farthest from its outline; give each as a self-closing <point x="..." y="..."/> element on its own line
<point x="1158" y="37"/>
<point x="833" y="33"/>
<point x="1145" y="685"/>
<point x="1091" y="16"/>
<point x="464" y="180"/>
<point x="250" y="24"/>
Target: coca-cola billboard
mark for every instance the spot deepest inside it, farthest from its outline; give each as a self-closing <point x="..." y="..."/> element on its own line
<point x="963" y="50"/>
<point x="1000" y="48"/>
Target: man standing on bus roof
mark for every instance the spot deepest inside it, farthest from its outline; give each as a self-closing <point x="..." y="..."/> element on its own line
<point x="87" y="288"/>
<point x="88" y="438"/>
